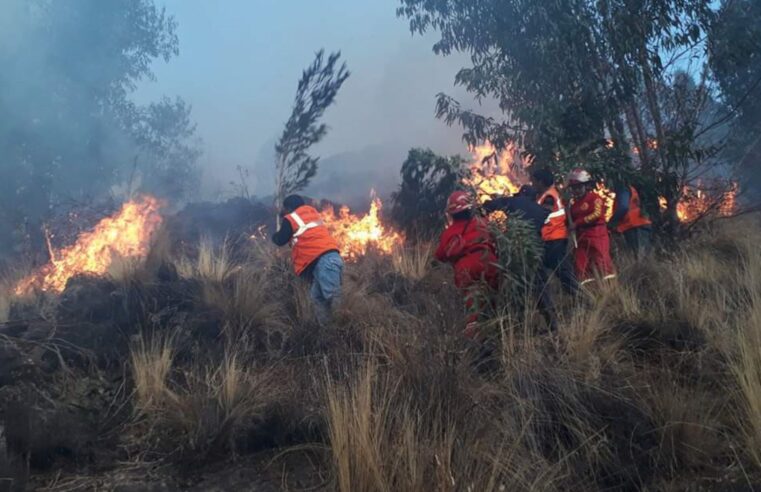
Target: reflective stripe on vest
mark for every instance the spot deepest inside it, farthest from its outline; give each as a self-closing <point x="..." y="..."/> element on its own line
<point x="555" y="226"/>
<point x="303" y="227"/>
<point x="553" y="215"/>
<point x="310" y="239"/>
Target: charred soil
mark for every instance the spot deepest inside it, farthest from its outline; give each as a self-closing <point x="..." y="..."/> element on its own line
<point x="203" y="369"/>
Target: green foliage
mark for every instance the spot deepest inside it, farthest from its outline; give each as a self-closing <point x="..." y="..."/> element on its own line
<point x="427" y="182"/>
<point x="589" y="83"/>
<point x="316" y="92"/>
<point x="520" y="252"/>
<point x="556" y="68"/>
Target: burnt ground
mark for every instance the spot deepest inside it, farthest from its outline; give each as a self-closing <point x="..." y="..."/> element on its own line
<point x="621" y="409"/>
<point x="64" y="382"/>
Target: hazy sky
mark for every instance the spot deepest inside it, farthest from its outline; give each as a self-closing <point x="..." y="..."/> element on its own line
<point x="240" y="61"/>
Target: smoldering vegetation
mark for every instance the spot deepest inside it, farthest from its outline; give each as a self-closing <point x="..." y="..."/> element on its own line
<point x="71" y="135"/>
<point x="207" y="370"/>
<point x="203" y="367"/>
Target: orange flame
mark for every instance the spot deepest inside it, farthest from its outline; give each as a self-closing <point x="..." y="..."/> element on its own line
<point x="728" y="204"/>
<point x="693" y="204"/>
<point x="697" y="201"/>
<point x="496" y="173"/>
<point x="356" y="235"/>
<point x="126" y="234"/>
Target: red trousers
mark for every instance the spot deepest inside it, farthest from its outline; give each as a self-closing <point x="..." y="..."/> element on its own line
<point x="477" y="276"/>
<point x="592" y="257"/>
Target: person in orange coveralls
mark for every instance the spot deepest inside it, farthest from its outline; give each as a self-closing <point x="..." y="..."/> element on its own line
<point x="469" y="246"/>
<point x="592" y="255"/>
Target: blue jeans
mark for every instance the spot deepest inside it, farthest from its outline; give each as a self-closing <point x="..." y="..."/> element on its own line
<point x="326" y="284"/>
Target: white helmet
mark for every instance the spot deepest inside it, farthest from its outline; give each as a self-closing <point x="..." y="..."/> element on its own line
<point x="578" y="176"/>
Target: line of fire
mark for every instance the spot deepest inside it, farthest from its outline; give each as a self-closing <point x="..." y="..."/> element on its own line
<point x="366" y="246"/>
<point x="128" y="233"/>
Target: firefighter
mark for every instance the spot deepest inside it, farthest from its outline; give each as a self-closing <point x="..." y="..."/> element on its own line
<point x="314" y="252"/>
<point x="555" y="231"/>
<point x="630" y="220"/>
<point x="469" y="246"/>
<point x="592" y="254"/>
<point x="524" y="205"/>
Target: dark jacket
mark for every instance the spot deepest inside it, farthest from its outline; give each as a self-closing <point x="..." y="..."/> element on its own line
<point x="281" y="237"/>
<point x="524" y="206"/>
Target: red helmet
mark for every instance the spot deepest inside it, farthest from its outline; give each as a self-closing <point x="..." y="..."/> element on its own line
<point x="578" y="176"/>
<point x="459" y="201"/>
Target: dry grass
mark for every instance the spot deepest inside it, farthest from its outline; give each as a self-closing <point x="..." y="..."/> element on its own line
<point x="151" y="363"/>
<point x="211" y="264"/>
<point x="747" y="364"/>
<point x="381" y="440"/>
<point x="652" y="383"/>
<point x="192" y="412"/>
<point x="251" y="308"/>
<point x="413" y="262"/>
<point x="125" y="270"/>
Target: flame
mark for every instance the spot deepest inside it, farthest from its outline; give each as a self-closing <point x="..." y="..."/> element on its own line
<point x="356" y="235"/>
<point x="126" y="234"/>
<point x="698" y="200"/>
<point x="693" y="204"/>
<point x="728" y="205"/>
<point x="496" y="173"/>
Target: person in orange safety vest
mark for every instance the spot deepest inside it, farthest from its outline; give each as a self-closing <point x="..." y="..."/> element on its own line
<point x="469" y="246"/>
<point x="592" y="254"/>
<point x="555" y="230"/>
<point x="631" y="220"/>
<point x="314" y="252"/>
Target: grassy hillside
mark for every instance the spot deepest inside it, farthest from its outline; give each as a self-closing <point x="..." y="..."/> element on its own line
<point x="214" y="363"/>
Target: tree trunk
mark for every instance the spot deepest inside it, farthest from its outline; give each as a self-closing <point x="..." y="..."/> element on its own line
<point x="651" y="95"/>
<point x="638" y="134"/>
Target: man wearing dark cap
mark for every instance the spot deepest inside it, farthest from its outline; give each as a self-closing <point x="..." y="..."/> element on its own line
<point x="314" y="252"/>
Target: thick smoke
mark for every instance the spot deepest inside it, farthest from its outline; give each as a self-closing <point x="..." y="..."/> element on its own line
<point x="373" y="131"/>
<point x="69" y="132"/>
<point x="242" y="84"/>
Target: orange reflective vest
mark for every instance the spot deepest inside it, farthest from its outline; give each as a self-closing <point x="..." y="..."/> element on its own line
<point x="310" y="239"/>
<point x="555" y="227"/>
<point x="634" y="217"/>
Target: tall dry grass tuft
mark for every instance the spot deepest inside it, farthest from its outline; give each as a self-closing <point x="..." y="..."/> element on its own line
<point x="126" y="270"/>
<point x="249" y="306"/>
<point x="384" y="436"/>
<point x="746" y="365"/>
<point x="413" y="262"/>
<point x="194" y="412"/>
<point x="210" y="264"/>
<point x="357" y="419"/>
<point x="747" y="370"/>
<point x="151" y="363"/>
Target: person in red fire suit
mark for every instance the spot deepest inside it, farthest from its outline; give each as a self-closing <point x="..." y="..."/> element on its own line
<point x="469" y="246"/>
<point x="592" y="255"/>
